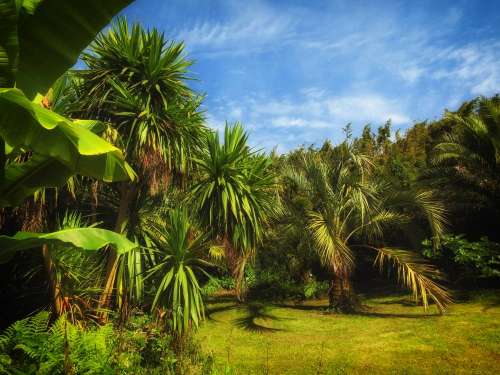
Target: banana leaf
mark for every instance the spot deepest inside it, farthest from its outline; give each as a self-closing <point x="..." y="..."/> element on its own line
<point x="24" y="124"/>
<point x="24" y="179"/>
<point x="45" y="38"/>
<point x="89" y="239"/>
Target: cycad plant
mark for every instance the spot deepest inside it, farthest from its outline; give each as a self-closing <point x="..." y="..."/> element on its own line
<point x="351" y="212"/>
<point x="234" y="196"/>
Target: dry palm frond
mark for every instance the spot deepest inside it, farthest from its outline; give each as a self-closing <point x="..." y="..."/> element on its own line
<point x="415" y="274"/>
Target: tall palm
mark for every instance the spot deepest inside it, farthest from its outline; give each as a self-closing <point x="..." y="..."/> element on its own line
<point x="350" y="212"/>
<point x="136" y="81"/>
<point x="234" y="196"/>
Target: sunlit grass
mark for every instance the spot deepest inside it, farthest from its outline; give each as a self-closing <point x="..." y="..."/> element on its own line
<point x="392" y="336"/>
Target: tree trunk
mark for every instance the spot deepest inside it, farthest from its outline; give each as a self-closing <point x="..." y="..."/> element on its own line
<point x="341" y="295"/>
<point x="128" y="193"/>
<point x="236" y="264"/>
<point x="55" y="288"/>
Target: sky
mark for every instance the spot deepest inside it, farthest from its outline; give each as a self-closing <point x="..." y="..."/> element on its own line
<point x="296" y="72"/>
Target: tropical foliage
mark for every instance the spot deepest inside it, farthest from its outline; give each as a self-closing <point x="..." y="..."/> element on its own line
<point x="234" y="197"/>
<point x="351" y="210"/>
<point x="123" y="213"/>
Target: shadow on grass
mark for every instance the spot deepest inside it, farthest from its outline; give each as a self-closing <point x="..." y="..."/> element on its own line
<point x="374" y="314"/>
<point x="216" y="309"/>
<point x="398" y="301"/>
<point x="254" y="311"/>
<point x="364" y="310"/>
<point x="301" y="307"/>
<point x="492" y="304"/>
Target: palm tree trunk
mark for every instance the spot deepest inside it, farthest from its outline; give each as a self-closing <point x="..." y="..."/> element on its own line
<point x="128" y="193"/>
<point x="341" y="295"/>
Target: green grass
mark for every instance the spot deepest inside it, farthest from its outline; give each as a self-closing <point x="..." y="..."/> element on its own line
<point x="391" y="337"/>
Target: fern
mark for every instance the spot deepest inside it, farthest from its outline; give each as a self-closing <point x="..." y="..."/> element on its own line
<point x="23" y="344"/>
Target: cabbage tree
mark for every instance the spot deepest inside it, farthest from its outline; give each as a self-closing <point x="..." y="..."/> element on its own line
<point x="235" y="196"/>
<point x="136" y="81"/>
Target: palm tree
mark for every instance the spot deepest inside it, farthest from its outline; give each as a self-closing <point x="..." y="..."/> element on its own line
<point x="136" y="81"/>
<point x="350" y="212"/>
<point x="235" y="196"/>
<point x="178" y="293"/>
<point x="471" y="150"/>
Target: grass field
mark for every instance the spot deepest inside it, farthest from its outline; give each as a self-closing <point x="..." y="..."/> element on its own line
<point x="391" y="336"/>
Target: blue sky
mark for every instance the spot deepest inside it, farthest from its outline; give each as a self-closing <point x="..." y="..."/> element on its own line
<point x="295" y="72"/>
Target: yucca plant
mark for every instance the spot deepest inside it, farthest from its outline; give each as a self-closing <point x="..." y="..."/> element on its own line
<point x="235" y="196"/>
<point x="178" y="294"/>
<point x="352" y="211"/>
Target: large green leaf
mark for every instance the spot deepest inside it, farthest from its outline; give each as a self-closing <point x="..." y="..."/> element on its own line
<point x="8" y="42"/>
<point x="24" y="124"/>
<point x="89" y="239"/>
<point x="52" y="35"/>
<point x="24" y="179"/>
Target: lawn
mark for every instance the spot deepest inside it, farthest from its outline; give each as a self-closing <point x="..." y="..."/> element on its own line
<point x="390" y="336"/>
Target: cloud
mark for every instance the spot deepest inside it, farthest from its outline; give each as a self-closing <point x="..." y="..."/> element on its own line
<point x="310" y="116"/>
<point x="473" y="68"/>
<point x="325" y="66"/>
<point x="366" y="108"/>
<point x="249" y="26"/>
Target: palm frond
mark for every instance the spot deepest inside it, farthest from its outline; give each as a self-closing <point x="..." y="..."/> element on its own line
<point x="333" y="250"/>
<point x="415" y="274"/>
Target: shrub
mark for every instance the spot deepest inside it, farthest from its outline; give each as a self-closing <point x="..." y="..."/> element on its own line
<point x="28" y="346"/>
<point x="464" y="259"/>
<point x="314" y="288"/>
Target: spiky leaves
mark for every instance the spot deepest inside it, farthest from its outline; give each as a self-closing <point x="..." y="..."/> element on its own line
<point x="416" y="275"/>
<point x="472" y="149"/>
<point x="178" y="290"/>
<point x="136" y="79"/>
<point x="331" y="246"/>
<point x="235" y="195"/>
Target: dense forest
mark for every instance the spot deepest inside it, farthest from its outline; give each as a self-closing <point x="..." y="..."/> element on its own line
<point x="123" y="215"/>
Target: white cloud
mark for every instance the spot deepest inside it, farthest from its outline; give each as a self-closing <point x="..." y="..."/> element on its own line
<point x="365" y="108"/>
<point x="412" y="73"/>
<point x="298" y="122"/>
<point x="310" y="117"/>
<point x="365" y="68"/>
<point x="252" y="25"/>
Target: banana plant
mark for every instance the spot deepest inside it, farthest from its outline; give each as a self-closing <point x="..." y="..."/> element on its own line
<point x="39" y="41"/>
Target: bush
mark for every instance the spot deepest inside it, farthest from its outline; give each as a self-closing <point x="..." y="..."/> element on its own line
<point x="29" y="346"/>
<point x="216" y="284"/>
<point x="315" y="289"/>
<point x="466" y="260"/>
